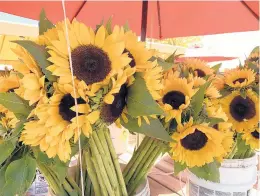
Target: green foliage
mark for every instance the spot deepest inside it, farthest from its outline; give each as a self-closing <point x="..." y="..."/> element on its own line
<point x="109" y="25"/>
<point x="15" y="104"/>
<point x="213" y="121"/>
<point x="155" y="129"/>
<point x="209" y="171"/>
<point x="243" y="93"/>
<point x="216" y="67"/>
<point x="166" y="65"/>
<point x="178" y="167"/>
<point x="44" y="23"/>
<point x="172" y="57"/>
<point x="126" y="27"/>
<point x="139" y="100"/>
<point x="241" y="148"/>
<point x="198" y="98"/>
<point x="19" y="176"/>
<point x="252" y="66"/>
<point x="40" y="55"/>
<point x="2" y="177"/>
<point x="55" y="164"/>
<point x="6" y="149"/>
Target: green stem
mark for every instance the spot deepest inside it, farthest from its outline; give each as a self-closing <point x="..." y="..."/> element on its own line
<point x="92" y="174"/>
<point x="51" y="181"/>
<point x="99" y="165"/>
<point x="136" y="154"/>
<point x="115" y="162"/>
<point x="138" y="160"/>
<point x="108" y="168"/>
<point x="233" y="151"/>
<point x="146" y="168"/>
<point x="73" y="184"/>
<point x="99" y="177"/>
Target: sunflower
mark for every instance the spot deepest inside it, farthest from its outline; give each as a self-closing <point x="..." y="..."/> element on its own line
<point x="228" y="140"/>
<point x="32" y="81"/>
<point x="196" y="145"/>
<point x="214" y="109"/>
<point x="57" y="122"/>
<point x="153" y="79"/>
<point x="135" y="49"/>
<point x="211" y="92"/>
<point x="9" y="82"/>
<point x="95" y="57"/>
<point x="252" y="138"/>
<point x="240" y="78"/>
<point x="199" y="67"/>
<point x="218" y="81"/>
<point x="243" y="113"/>
<point x="176" y="97"/>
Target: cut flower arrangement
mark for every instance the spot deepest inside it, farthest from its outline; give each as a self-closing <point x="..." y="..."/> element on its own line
<point x="72" y="82"/>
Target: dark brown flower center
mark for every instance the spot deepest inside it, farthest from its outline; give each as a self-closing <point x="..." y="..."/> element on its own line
<point x="111" y="112"/>
<point x="194" y="141"/>
<point x="174" y="98"/>
<point x="215" y="126"/>
<point x="90" y="64"/>
<point x="240" y="80"/>
<point x="255" y="134"/>
<point x="132" y="63"/>
<point x="200" y="73"/>
<point x="241" y="108"/>
<point x="66" y="103"/>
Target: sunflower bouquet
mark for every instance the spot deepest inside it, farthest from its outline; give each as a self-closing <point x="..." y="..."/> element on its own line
<point x="200" y="133"/>
<point x="69" y="84"/>
<point x="239" y="88"/>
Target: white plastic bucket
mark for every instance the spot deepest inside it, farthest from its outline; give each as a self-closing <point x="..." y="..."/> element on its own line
<point x="144" y="189"/>
<point x="237" y="177"/>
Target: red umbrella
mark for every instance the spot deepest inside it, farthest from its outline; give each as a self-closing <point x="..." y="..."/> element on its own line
<point x="157" y="19"/>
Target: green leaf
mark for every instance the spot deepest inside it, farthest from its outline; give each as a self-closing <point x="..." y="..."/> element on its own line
<point x="41" y="157"/>
<point x="6" y="149"/>
<point x="44" y="23"/>
<point x="213" y="121"/>
<point x="172" y="57"/>
<point x="209" y="171"/>
<point x="155" y="129"/>
<point x="224" y="92"/>
<point x="242" y="148"/>
<point x="178" y="167"/>
<point x="109" y="25"/>
<point x="139" y="100"/>
<point x="255" y="88"/>
<point x="252" y="66"/>
<point x="60" y="169"/>
<point x="15" y="104"/>
<point x="19" y="176"/>
<point x="165" y="65"/>
<point x="126" y="27"/>
<point x="216" y="67"/>
<point x="243" y="93"/>
<point x="40" y="54"/>
<point x="17" y="130"/>
<point x="198" y="98"/>
<point x="2" y="177"/>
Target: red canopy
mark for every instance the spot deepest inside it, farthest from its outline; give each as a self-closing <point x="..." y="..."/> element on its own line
<point x="164" y="19"/>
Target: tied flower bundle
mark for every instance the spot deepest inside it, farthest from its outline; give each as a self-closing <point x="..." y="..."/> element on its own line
<point x="69" y="84"/>
<point x="200" y="134"/>
<point x="239" y="88"/>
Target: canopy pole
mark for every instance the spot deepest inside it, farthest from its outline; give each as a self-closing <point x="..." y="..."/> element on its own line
<point x="144" y="20"/>
<point x="159" y="19"/>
